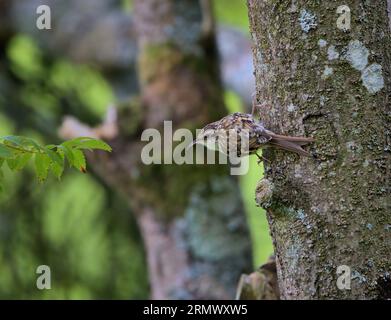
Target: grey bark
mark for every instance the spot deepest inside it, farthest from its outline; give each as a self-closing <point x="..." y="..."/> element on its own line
<point x="334" y="208"/>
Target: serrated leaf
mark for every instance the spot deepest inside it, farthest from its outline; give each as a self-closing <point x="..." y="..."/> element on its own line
<point x="18" y="150"/>
<point x="5" y="152"/>
<point x="54" y="156"/>
<point x="88" y="143"/>
<point x="67" y="152"/>
<point x="74" y="142"/>
<point x="16" y="140"/>
<point x="58" y="168"/>
<point x="79" y="160"/>
<point x="32" y="142"/>
<point x="19" y="162"/>
<point x="22" y="141"/>
<point x="94" y="144"/>
<point x="42" y="164"/>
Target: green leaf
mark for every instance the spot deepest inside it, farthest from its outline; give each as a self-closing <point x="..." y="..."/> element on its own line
<point x="19" y="162"/>
<point x="88" y="143"/>
<point x="1" y="175"/>
<point x="18" y="150"/>
<point x="12" y="163"/>
<point x="5" y="152"/>
<point x="33" y="143"/>
<point x="79" y="161"/>
<point x="15" y="140"/>
<point x="23" y="143"/>
<point x="58" y="168"/>
<point x="42" y="164"/>
<point x="67" y="152"/>
<point x="54" y="156"/>
<point x="94" y="144"/>
<point x="74" y="142"/>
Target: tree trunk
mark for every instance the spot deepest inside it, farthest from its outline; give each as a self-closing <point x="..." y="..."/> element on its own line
<point x="332" y="209"/>
<point x="192" y="252"/>
<point x="190" y="216"/>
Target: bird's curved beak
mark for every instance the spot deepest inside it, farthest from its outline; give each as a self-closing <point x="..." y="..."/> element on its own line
<point x="192" y="144"/>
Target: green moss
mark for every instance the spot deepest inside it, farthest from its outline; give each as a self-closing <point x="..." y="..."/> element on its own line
<point x="158" y="59"/>
<point x="130" y="116"/>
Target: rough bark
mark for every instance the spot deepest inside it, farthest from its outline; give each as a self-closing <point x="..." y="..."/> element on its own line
<point x="191" y="217"/>
<point x="334" y="208"/>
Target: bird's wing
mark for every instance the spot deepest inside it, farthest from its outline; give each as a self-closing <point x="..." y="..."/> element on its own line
<point x="262" y="136"/>
<point x="289" y="146"/>
<point x="289" y="143"/>
<point x="298" y="140"/>
<point x="222" y="142"/>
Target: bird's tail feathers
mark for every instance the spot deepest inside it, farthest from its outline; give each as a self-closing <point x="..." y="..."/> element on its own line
<point x="297" y="140"/>
<point x="294" y="146"/>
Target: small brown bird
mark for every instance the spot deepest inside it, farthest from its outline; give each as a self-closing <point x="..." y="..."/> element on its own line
<point x="216" y="136"/>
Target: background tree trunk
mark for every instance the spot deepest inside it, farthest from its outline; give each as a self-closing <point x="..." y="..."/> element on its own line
<point x="179" y="79"/>
<point x="191" y="217"/>
<point x="317" y="80"/>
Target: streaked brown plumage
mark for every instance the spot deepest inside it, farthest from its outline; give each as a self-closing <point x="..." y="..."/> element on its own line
<point x="259" y="136"/>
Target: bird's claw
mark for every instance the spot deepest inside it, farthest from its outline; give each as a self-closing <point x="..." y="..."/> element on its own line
<point x="261" y="158"/>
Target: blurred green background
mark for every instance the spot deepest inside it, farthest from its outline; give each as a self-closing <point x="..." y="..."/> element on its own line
<point x="78" y="226"/>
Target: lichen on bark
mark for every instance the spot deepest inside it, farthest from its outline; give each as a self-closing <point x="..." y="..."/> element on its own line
<point x="321" y="206"/>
